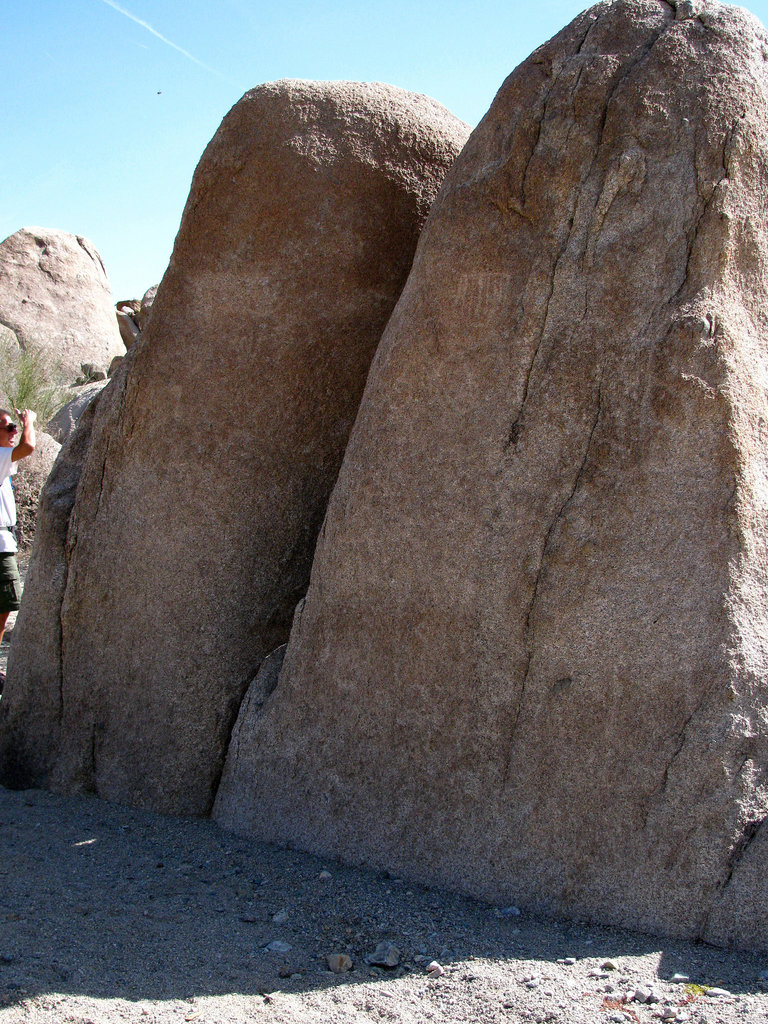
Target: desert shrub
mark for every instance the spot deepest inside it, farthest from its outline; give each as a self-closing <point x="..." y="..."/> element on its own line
<point x="30" y="378"/>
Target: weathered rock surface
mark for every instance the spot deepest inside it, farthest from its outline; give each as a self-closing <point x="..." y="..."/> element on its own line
<point x="8" y="338"/>
<point x="215" y="447"/>
<point x="36" y="650"/>
<point x="145" y="307"/>
<point x="532" y="663"/>
<point x="133" y="316"/>
<point x="65" y="420"/>
<point x="28" y="483"/>
<point x="54" y="294"/>
<point x="126" y="324"/>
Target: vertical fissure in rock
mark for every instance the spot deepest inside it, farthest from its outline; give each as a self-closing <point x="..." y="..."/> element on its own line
<point x="516" y="427"/>
<point x="530" y="618"/>
<point x="748" y="835"/>
<point x="749" y="832"/>
<point x="660" y="789"/>
<point x="95" y="256"/>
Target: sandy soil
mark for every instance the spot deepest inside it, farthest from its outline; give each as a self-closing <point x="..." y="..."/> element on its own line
<point x="109" y="914"/>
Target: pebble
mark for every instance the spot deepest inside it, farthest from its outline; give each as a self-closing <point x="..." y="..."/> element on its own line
<point x="386" y="954"/>
<point x="597" y="974"/>
<point x="645" y="994"/>
<point x="280" y="917"/>
<point x="679" y="979"/>
<point x="718" y="993"/>
<point x="508" y="912"/>
<point x="339" y="963"/>
<point x="325" y="876"/>
<point x="609" y="965"/>
<point x="435" y="970"/>
<point x="533" y="983"/>
<point x="278" y="947"/>
<point x="568" y="960"/>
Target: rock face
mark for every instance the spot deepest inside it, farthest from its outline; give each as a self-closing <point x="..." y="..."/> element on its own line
<point x="532" y="663"/>
<point x="36" y="650"/>
<point x="28" y="483"/>
<point x="54" y="294"/>
<point x="65" y="420"/>
<point x="145" y="308"/>
<point x="129" y="332"/>
<point x="216" y="445"/>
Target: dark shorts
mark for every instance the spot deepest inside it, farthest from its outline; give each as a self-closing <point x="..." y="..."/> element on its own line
<point x="10" y="583"/>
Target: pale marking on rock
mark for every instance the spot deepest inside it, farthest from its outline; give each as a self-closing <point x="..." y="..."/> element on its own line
<point x="624" y="175"/>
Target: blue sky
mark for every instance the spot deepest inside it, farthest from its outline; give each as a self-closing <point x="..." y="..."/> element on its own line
<point x="109" y="105"/>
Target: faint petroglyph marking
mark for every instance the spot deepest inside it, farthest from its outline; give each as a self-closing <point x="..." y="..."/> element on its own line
<point x="485" y="293"/>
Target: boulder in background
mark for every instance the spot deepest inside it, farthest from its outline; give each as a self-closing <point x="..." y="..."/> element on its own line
<point x="54" y="294"/>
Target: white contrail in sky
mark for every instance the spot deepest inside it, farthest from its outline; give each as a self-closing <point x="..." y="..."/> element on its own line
<point x="148" y="27"/>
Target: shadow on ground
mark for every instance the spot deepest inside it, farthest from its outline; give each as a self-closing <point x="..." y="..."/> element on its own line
<point x="109" y="902"/>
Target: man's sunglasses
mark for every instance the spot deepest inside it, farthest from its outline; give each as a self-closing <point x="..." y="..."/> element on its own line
<point x="10" y="427"/>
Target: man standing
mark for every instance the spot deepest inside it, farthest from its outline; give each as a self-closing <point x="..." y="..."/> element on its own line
<point x="10" y="453"/>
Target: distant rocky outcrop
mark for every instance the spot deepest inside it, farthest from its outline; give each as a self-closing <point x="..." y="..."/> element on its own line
<point x="210" y="457"/>
<point x="532" y="661"/>
<point x="54" y="295"/>
<point x="133" y="316"/>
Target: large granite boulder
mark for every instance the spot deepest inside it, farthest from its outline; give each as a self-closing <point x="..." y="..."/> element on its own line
<point x="214" y="448"/>
<point x="54" y="295"/>
<point x="532" y="663"/>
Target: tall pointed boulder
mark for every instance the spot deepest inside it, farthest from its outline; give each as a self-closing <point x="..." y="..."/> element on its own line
<point x="533" y="659"/>
<point x="189" y="537"/>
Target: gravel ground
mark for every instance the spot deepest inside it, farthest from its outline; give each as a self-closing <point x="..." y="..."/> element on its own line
<point x="109" y="914"/>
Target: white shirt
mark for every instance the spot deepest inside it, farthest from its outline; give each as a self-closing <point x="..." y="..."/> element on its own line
<point x="7" y="500"/>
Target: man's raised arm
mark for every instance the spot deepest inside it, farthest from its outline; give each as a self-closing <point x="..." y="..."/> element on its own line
<point x="26" y="444"/>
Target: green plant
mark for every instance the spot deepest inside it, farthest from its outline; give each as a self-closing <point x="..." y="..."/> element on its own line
<point x="694" y="990"/>
<point x="31" y="379"/>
